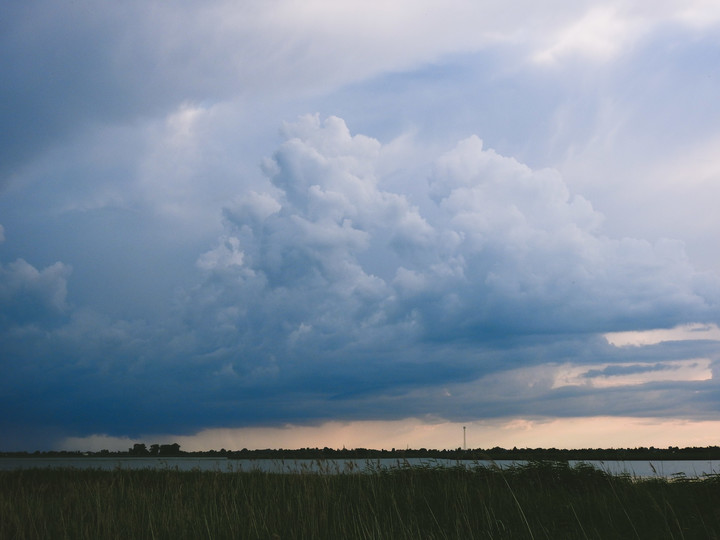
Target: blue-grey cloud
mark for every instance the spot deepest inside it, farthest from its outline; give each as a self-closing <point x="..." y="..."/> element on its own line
<point x="293" y="321"/>
<point x="427" y="272"/>
<point x="29" y="295"/>
<point x="508" y="250"/>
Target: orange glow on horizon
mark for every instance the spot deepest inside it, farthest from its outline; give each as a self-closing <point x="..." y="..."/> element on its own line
<point x="591" y="432"/>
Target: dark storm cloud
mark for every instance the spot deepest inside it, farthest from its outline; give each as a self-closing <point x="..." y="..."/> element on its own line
<point x="348" y="278"/>
<point x="502" y="274"/>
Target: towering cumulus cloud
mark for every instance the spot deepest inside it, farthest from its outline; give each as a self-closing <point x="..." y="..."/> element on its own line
<point x="328" y="260"/>
<point x="533" y="259"/>
<point x="287" y="279"/>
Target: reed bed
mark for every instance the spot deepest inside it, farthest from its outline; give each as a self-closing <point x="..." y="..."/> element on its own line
<point x="540" y="500"/>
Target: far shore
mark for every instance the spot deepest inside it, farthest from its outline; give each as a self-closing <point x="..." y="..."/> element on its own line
<point x="495" y="454"/>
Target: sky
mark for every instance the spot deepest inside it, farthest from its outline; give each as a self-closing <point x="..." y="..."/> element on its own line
<point x="287" y="224"/>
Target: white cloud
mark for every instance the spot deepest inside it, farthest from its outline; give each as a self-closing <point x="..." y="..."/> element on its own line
<point x="624" y="374"/>
<point x="699" y="13"/>
<point x="252" y="208"/>
<point x="500" y="250"/>
<point x="682" y="332"/>
<point x="181" y="169"/>
<point x="528" y="242"/>
<point x="607" y="30"/>
<point x="600" y="35"/>
<point x="226" y="254"/>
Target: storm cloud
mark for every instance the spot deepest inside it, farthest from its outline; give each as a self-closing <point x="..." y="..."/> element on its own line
<point x="328" y="296"/>
<point x="222" y="215"/>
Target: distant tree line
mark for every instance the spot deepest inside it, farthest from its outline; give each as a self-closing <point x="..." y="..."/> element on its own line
<point x="496" y="453"/>
<point x="155" y="450"/>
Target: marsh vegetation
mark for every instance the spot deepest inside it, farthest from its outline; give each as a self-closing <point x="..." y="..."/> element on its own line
<point x="539" y="500"/>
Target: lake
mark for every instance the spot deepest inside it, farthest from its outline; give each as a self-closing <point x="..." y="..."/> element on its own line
<point x="643" y="469"/>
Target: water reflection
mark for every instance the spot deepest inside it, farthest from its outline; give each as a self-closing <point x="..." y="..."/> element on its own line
<point x="641" y="469"/>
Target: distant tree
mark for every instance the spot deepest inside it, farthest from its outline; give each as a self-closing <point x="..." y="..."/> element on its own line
<point x="170" y="449"/>
<point x="138" y="449"/>
<point x="154" y="449"/>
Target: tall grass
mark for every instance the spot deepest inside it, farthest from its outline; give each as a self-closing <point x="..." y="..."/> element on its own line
<point x="541" y="500"/>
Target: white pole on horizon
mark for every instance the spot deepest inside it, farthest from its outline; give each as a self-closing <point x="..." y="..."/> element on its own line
<point x="464" y="440"/>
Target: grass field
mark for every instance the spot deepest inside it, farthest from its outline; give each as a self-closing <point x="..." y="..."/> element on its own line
<point x="540" y="500"/>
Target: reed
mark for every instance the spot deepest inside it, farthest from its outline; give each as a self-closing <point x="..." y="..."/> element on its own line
<point x="540" y="500"/>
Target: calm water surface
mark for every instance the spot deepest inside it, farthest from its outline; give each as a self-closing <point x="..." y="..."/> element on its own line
<point x="665" y="469"/>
